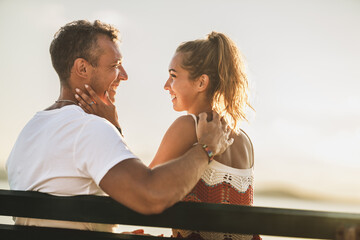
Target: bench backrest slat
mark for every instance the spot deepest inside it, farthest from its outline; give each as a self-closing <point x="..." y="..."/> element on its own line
<point x="194" y="216"/>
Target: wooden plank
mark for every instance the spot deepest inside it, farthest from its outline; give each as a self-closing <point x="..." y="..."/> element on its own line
<point x="194" y="216"/>
<point x="11" y="232"/>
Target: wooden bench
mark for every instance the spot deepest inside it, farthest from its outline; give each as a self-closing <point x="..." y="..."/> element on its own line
<point x="194" y="216"/>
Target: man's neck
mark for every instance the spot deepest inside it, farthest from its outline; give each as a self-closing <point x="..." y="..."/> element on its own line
<point x="66" y="97"/>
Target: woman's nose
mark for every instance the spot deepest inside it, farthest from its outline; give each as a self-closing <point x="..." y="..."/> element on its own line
<point x="167" y="84"/>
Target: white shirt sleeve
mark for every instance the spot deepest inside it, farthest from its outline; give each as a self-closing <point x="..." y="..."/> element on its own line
<point x="99" y="147"/>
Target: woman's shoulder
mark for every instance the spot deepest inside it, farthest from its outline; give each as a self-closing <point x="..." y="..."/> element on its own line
<point x="242" y="139"/>
<point x="188" y="119"/>
<point x="184" y="123"/>
<point x="178" y="139"/>
<point x="240" y="154"/>
<point x="183" y="129"/>
<point x="244" y="147"/>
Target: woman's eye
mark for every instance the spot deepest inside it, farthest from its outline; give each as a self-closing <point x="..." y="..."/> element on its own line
<point x="172" y="75"/>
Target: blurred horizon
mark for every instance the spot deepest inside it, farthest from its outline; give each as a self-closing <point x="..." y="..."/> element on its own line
<point x="303" y="65"/>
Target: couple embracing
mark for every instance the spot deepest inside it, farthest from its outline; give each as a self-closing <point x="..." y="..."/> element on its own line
<point x="75" y="146"/>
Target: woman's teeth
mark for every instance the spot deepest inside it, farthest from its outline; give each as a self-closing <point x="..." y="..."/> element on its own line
<point x="172" y="97"/>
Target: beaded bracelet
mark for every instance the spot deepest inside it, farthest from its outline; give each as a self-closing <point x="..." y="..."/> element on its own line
<point x="208" y="152"/>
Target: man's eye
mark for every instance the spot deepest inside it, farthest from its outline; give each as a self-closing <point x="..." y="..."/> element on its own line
<point x="172" y="75"/>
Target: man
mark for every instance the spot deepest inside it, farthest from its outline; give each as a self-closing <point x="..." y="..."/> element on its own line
<point x="65" y="151"/>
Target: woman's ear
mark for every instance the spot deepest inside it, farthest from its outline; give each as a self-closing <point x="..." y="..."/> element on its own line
<point x="81" y="68"/>
<point x="203" y="83"/>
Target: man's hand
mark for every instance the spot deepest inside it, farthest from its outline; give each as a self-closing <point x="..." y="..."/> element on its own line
<point x="214" y="133"/>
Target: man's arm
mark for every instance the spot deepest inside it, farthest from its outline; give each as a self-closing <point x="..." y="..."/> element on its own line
<point x="151" y="191"/>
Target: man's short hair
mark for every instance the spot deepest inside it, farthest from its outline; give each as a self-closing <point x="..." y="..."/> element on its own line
<point x="78" y="39"/>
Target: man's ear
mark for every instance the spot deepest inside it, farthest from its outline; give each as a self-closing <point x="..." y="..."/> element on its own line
<point x="203" y="83"/>
<point x="81" y="68"/>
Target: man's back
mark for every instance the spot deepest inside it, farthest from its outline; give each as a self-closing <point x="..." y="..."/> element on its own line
<point x="65" y="152"/>
<point x="50" y="155"/>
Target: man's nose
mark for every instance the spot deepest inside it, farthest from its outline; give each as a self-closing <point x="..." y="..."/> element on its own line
<point x="122" y="74"/>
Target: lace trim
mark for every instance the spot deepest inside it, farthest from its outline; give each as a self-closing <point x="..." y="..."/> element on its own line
<point x="241" y="183"/>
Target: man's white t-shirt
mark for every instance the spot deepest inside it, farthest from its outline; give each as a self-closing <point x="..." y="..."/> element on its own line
<point x="65" y="152"/>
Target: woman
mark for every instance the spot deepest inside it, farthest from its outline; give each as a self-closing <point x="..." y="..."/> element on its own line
<point x="208" y="75"/>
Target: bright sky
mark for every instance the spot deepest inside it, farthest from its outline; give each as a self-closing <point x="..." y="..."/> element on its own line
<point x="303" y="61"/>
